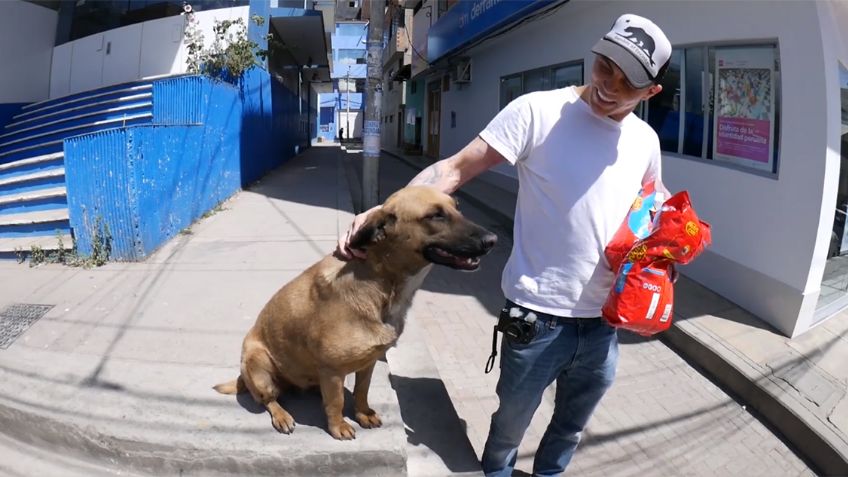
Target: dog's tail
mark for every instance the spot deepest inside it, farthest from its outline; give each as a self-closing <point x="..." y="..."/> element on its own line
<point x="236" y="386"/>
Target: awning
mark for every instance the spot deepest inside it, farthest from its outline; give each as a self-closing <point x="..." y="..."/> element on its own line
<point x="302" y="33"/>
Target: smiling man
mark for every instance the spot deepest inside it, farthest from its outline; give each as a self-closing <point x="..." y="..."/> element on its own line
<point x="581" y="157"/>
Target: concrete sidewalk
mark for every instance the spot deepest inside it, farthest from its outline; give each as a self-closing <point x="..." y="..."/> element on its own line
<point x="116" y="378"/>
<point x="797" y="386"/>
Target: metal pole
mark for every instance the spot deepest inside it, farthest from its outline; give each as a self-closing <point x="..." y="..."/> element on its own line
<point x="347" y="103"/>
<point x="374" y="96"/>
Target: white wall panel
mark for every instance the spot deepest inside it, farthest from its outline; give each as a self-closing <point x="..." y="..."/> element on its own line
<point x="121" y="54"/>
<point x="27" y="35"/>
<point x="60" y="71"/>
<point x="87" y="63"/>
<point x="161" y="42"/>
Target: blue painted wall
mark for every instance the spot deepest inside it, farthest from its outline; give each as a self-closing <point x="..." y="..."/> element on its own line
<point x="147" y="183"/>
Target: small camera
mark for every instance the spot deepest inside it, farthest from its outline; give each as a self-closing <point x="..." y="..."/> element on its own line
<point x="517" y="324"/>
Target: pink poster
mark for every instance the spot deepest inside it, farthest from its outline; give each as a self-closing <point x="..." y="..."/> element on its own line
<point x="744" y="107"/>
<point x="745" y="138"/>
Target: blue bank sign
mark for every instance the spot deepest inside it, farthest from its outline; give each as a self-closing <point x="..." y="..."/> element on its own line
<point x="470" y="20"/>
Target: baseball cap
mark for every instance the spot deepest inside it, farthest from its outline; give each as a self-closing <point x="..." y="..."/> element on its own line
<point x="638" y="47"/>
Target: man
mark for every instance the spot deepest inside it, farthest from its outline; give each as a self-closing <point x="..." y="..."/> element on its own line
<point x="581" y="157"/>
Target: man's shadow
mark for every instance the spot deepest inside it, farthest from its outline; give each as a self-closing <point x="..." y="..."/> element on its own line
<point x="431" y="421"/>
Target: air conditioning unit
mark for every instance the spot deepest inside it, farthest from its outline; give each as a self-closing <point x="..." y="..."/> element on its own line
<point x="461" y="73"/>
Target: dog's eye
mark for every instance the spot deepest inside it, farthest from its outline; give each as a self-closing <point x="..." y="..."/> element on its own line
<point x="438" y="215"/>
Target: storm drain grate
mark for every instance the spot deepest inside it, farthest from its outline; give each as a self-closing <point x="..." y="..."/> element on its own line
<point x="17" y="318"/>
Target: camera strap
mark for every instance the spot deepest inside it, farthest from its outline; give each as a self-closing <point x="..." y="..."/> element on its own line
<point x="490" y="363"/>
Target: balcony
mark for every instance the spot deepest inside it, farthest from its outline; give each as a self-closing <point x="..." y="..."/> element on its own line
<point x="398" y="52"/>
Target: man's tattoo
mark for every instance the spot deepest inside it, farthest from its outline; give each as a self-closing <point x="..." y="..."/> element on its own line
<point x="430" y="176"/>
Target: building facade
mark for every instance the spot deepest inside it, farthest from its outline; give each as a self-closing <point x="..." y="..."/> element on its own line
<point x="751" y="120"/>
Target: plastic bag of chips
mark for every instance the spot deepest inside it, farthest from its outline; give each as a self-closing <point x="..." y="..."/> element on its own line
<point x="642" y="296"/>
<point x="637" y="225"/>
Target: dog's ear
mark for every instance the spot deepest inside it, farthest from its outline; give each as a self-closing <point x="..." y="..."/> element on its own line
<point x="373" y="230"/>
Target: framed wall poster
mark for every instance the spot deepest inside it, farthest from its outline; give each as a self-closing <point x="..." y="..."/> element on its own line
<point x="743" y="129"/>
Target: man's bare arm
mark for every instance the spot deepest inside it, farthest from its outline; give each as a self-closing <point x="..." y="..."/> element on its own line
<point x="450" y="174"/>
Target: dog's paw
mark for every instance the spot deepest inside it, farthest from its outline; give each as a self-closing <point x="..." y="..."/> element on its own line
<point x="343" y="431"/>
<point x="368" y="419"/>
<point x="283" y="422"/>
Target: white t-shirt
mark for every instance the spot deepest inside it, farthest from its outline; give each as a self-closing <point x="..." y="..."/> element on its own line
<point x="578" y="174"/>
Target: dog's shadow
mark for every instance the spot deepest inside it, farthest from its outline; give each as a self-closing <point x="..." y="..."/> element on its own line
<point x="305" y="407"/>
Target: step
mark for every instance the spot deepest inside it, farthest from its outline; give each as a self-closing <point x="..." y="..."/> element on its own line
<point x="59" y="110"/>
<point x="74" y="130"/>
<point x="45" y="242"/>
<point x="35" y="195"/>
<point x="13" y="131"/>
<point x="32" y="109"/>
<point x="32" y="177"/>
<point x="38" y="217"/>
<point x="31" y="161"/>
<point x="124" y="418"/>
<point x="45" y="148"/>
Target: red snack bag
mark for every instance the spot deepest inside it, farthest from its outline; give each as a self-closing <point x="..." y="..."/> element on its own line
<point x="642" y="297"/>
<point x="678" y="235"/>
<point x="637" y="225"/>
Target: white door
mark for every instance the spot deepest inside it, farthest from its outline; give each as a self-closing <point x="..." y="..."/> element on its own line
<point x="60" y="70"/>
<point x="121" y="52"/>
<point x="87" y="63"/>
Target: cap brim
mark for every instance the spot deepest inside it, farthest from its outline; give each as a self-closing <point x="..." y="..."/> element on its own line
<point x="630" y="66"/>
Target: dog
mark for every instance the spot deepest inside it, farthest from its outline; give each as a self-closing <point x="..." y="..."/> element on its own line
<point x="339" y="317"/>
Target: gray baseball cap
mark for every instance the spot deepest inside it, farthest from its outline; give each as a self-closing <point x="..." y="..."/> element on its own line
<point x="638" y="47"/>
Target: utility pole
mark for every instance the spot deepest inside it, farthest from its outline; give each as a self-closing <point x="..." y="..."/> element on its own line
<point x="347" y="102"/>
<point x="374" y="97"/>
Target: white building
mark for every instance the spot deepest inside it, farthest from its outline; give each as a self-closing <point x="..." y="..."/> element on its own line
<point x="775" y="193"/>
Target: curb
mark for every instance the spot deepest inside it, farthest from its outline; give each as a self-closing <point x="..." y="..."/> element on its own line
<point x="748" y="383"/>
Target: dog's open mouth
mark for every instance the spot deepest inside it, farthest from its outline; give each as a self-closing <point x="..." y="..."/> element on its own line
<point x="459" y="261"/>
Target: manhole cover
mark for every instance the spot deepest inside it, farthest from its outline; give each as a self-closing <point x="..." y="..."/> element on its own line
<point x="16" y="318"/>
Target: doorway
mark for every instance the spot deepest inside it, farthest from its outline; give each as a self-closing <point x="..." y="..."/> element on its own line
<point x="434" y="117"/>
<point x="834" y="287"/>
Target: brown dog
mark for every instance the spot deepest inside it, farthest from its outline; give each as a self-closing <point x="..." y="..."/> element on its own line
<point x="340" y="317"/>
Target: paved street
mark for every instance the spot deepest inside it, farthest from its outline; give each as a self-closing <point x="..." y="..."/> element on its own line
<point x="661" y="417"/>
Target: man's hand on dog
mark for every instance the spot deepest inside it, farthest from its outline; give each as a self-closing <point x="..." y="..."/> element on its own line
<point x="343" y="249"/>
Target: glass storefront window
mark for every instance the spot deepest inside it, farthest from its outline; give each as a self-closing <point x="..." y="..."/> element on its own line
<point x="571" y="75"/>
<point x="693" y="117"/>
<point x="664" y="108"/>
<point x="537" y="80"/>
<point x="510" y="89"/>
<point x="540" y="79"/>
<point x="835" y="280"/>
<point x="721" y="104"/>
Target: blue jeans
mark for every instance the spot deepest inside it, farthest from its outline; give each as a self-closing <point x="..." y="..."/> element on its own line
<point x="581" y="355"/>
